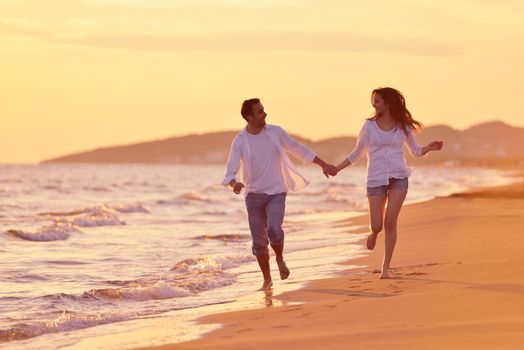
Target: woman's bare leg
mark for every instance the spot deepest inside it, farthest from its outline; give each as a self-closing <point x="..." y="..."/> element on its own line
<point x="376" y="218"/>
<point x="395" y="201"/>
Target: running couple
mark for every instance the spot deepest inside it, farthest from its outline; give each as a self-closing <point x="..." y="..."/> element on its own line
<point x="268" y="173"/>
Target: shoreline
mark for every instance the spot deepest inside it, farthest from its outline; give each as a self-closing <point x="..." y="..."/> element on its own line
<point x="431" y="273"/>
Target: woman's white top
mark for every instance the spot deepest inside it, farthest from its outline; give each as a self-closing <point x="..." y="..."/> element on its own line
<point x="385" y="152"/>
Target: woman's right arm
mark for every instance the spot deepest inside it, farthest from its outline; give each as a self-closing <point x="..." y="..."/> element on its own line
<point x="345" y="163"/>
<point x="358" y="151"/>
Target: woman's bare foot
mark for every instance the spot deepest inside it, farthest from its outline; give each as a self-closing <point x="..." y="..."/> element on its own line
<point x="384" y="274"/>
<point x="372" y="240"/>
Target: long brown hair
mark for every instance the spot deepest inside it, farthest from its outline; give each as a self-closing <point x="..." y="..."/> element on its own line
<point x="397" y="108"/>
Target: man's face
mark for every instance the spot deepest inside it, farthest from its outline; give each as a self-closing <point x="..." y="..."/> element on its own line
<point x="258" y="116"/>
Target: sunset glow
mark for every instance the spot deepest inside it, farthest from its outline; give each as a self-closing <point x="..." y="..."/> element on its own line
<point x="81" y="74"/>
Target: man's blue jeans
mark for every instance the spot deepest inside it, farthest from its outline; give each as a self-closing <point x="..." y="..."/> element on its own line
<point x="265" y="214"/>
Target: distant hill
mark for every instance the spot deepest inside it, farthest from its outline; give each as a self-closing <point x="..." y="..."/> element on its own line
<point x="493" y="143"/>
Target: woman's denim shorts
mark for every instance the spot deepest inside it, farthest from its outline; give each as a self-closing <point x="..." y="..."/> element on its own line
<point x="394" y="184"/>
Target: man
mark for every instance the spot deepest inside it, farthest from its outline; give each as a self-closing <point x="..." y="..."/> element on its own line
<point x="268" y="175"/>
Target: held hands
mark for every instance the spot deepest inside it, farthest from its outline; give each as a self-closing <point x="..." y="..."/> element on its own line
<point x="329" y="169"/>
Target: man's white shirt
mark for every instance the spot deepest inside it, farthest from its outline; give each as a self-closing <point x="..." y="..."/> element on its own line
<point x="266" y="169"/>
<point x="266" y="166"/>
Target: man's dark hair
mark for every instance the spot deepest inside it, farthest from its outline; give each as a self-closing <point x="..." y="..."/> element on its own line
<point x="247" y="107"/>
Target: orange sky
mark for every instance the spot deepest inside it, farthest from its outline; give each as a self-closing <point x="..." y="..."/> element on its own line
<point x="80" y="74"/>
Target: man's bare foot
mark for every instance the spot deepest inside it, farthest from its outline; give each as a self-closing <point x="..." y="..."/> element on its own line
<point x="282" y="267"/>
<point x="266" y="286"/>
<point x="372" y="240"/>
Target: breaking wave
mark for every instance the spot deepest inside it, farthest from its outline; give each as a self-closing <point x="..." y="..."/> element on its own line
<point x="55" y="232"/>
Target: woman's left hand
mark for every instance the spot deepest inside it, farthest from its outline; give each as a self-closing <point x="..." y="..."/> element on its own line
<point x="436" y="145"/>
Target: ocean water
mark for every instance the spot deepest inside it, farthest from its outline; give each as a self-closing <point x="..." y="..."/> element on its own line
<point x="91" y="254"/>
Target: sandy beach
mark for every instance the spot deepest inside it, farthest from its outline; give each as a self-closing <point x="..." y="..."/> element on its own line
<point x="457" y="284"/>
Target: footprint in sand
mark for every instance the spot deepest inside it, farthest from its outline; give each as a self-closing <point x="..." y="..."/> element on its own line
<point x="283" y="326"/>
<point x="402" y="268"/>
<point x="295" y="309"/>
<point x="245" y="330"/>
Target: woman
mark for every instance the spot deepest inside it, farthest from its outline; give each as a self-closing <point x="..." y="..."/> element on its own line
<point x="382" y="138"/>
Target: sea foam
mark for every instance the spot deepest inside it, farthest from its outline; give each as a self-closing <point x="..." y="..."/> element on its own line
<point x="55" y="232"/>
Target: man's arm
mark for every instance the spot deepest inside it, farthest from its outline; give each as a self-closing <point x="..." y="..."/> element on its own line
<point x="294" y="147"/>
<point x="232" y="168"/>
<point x="305" y="154"/>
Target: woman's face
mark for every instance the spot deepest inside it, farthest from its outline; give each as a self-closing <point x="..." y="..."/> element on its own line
<point x="378" y="103"/>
